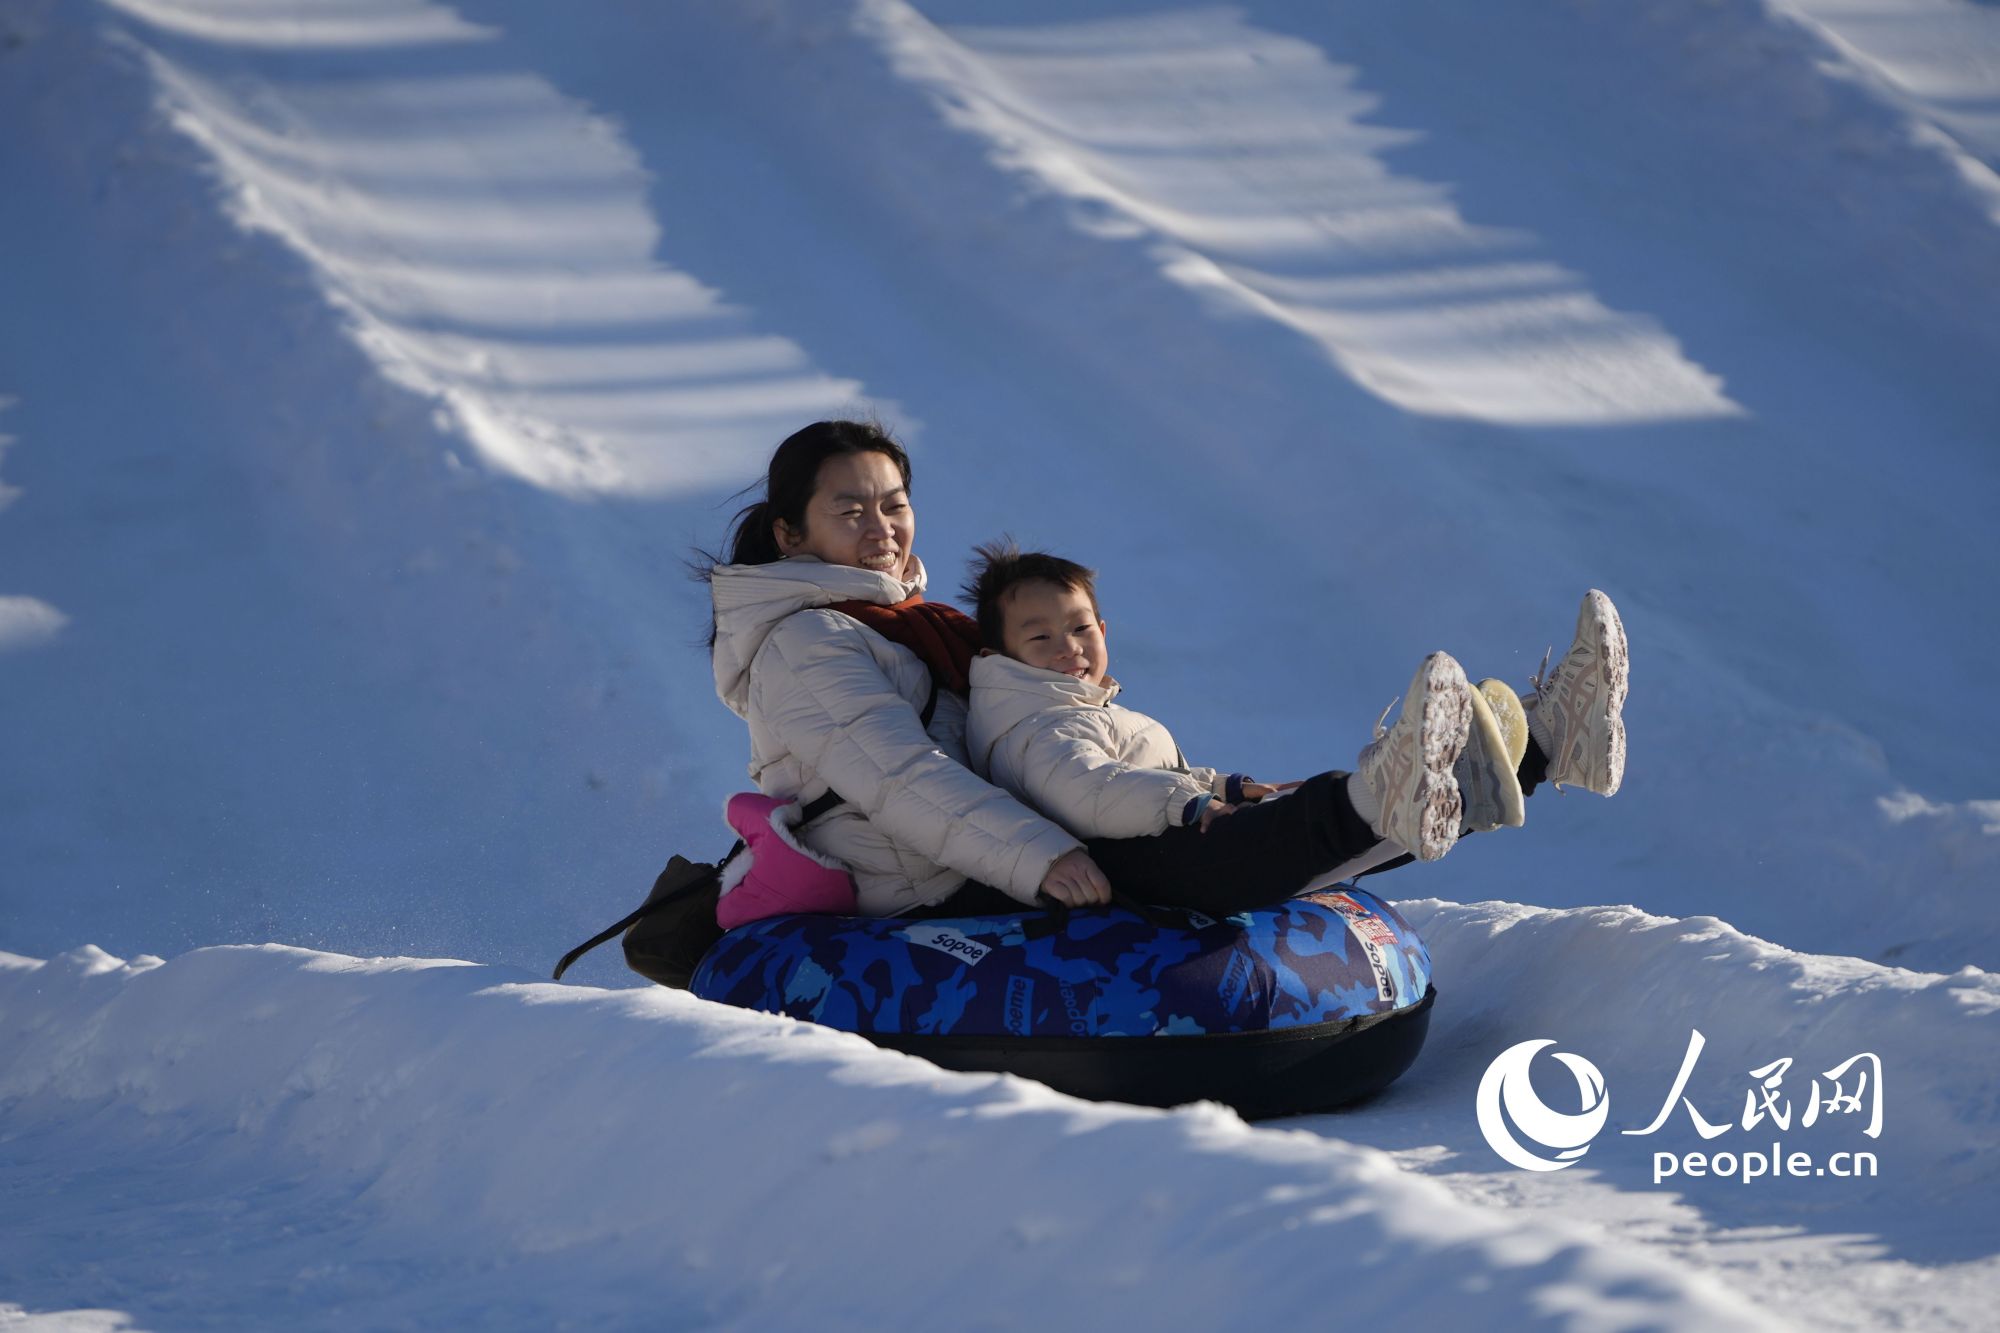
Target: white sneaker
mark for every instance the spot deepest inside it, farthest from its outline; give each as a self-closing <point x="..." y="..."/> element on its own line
<point x="1577" y="712"/>
<point x="1488" y="772"/>
<point x="1407" y="769"/>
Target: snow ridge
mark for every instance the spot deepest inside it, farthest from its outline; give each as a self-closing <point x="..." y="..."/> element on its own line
<point x="675" y="1166"/>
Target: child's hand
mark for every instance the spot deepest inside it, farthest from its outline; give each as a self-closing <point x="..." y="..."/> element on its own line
<point x="1215" y="810"/>
<point x="1075" y="881"/>
<point x="1257" y="791"/>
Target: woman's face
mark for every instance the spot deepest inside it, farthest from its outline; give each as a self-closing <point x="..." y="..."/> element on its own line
<point x="859" y="515"/>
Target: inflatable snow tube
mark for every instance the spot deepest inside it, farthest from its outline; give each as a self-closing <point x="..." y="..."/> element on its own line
<point x="1302" y="1006"/>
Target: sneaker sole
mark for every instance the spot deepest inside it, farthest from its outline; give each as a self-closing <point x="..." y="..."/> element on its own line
<point x="1424" y="810"/>
<point x="1600" y="629"/>
<point x="1602" y="619"/>
<point x="1488" y="773"/>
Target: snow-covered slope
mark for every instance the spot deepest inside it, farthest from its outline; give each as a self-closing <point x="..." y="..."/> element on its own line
<point x="1415" y="346"/>
<point x="370" y="370"/>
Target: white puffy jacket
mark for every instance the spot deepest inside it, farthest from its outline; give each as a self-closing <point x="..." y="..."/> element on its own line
<point x="831" y="703"/>
<point x="1061" y="745"/>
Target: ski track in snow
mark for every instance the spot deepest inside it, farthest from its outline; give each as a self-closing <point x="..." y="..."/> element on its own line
<point x="1251" y="158"/>
<point x="1933" y="57"/>
<point x="1107" y="232"/>
<point x="500" y="262"/>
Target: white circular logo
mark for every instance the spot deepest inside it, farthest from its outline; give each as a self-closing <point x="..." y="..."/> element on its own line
<point x="1506" y="1086"/>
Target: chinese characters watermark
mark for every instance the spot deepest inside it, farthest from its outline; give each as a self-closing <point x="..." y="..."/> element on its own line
<point x="1510" y="1111"/>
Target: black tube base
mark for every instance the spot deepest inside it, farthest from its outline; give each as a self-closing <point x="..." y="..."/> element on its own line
<point x="1293" y="1071"/>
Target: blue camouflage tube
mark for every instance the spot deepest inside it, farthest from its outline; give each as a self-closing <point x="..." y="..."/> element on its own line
<point x="1026" y="992"/>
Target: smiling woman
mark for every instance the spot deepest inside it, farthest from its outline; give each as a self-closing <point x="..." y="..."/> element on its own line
<point x="854" y="687"/>
<point x="860" y="515"/>
<point x="841" y="470"/>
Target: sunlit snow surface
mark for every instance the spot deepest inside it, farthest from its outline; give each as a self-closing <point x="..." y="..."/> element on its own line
<point x="502" y="261"/>
<point x="1257" y="169"/>
<point x="368" y="370"/>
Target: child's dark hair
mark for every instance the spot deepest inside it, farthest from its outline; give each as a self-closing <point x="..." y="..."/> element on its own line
<point x="1002" y="565"/>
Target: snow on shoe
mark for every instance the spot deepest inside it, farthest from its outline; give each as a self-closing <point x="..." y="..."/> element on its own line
<point x="1488" y="772"/>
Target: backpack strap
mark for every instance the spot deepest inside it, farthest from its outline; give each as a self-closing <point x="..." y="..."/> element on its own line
<point x="608" y="933"/>
<point x="682" y="879"/>
<point x="818" y="806"/>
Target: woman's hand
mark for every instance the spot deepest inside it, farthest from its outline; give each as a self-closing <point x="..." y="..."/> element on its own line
<point x="1215" y="810"/>
<point x="1075" y="881"/>
<point x="1257" y="791"/>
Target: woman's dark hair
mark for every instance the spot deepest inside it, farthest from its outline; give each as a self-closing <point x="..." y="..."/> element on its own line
<point x="790" y="480"/>
<point x="789" y="483"/>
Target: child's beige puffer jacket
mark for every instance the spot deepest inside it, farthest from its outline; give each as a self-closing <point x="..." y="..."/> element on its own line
<point x="1061" y="745"/>
<point x="831" y="703"/>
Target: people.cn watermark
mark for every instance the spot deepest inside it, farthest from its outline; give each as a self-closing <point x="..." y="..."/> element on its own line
<point x="1526" y="1132"/>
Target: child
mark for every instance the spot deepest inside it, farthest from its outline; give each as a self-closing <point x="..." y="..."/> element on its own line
<point x="1043" y="725"/>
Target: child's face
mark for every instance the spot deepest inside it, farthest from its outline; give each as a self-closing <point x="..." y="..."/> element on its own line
<point x="1054" y="628"/>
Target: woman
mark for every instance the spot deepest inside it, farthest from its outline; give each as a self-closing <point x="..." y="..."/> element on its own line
<point x="873" y="712"/>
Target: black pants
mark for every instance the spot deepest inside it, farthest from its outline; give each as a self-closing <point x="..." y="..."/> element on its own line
<point x="1261" y="854"/>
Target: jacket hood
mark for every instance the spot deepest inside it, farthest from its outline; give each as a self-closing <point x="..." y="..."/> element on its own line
<point x="751" y="599"/>
<point x="1006" y="693"/>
